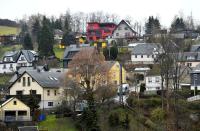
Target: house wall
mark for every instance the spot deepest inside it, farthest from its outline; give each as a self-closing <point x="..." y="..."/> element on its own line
<point x="8" y="68"/>
<point x="20" y="106"/>
<point x="22" y="61"/>
<point x="114" y="74"/>
<point x="145" y="58"/>
<point x="153" y="83"/>
<point x="122" y="31"/>
<point x="18" y="86"/>
<point x="192" y="64"/>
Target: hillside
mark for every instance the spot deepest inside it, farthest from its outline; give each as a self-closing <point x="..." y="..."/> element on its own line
<point x="6" y="30"/>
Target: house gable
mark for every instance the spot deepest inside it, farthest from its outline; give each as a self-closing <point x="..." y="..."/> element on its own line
<point x="22" y="84"/>
<point x="14" y="103"/>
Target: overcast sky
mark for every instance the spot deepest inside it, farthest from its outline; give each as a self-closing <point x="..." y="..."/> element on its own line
<point x="138" y="9"/>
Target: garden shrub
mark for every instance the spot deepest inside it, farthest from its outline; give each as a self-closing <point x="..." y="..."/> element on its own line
<point x="158" y="115"/>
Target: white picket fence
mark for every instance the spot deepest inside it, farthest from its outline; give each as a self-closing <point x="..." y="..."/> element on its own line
<point x="193" y="98"/>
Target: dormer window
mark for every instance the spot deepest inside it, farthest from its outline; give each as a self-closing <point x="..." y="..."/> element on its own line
<point x="8" y="59"/>
<point x="4" y="66"/>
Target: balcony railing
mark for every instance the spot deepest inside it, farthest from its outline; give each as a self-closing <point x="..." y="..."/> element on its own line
<point x="18" y="118"/>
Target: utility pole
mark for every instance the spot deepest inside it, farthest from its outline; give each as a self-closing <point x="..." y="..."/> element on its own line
<point x="121" y="88"/>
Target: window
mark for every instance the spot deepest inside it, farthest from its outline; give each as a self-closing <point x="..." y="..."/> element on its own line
<point x="189" y="64"/>
<point x="33" y="92"/>
<point x="50" y="103"/>
<point x="33" y="80"/>
<point x="147" y="56"/>
<point x="22" y="58"/>
<point x="135" y="56"/>
<point x="19" y="80"/>
<point x="4" y="66"/>
<point x="48" y="92"/>
<point x="141" y="56"/>
<point x="119" y="28"/>
<point x="22" y="113"/>
<point x="117" y="34"/>
<point x="11" y="66"/>
<point x="14" y="102"/>
<point x="115" y="82"/>
<point x="29" y="81"/>
<point x="8" y="59"/>
<point x="55" y="92"/>
<point x="125" y="28"/>
<point x="157" y="79"/>
<point x="19" y="93"/>
<point x="149" y="79"/>
<point x="24" y="81"/>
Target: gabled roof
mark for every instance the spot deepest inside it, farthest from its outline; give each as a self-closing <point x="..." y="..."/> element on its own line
<point x="29" y="55"/>
<point x="72" y="50"/>
<point x="107" y="65"/>
<point x="128" y="25"/>
<point x="45" y="79"/>
<point x="10" y="99"/>
<point x="145" y="49"/>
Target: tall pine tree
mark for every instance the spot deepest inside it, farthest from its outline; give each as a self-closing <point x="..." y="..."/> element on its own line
<point x="178" y="24"/>
<point x="152" y="25"/>
<point x="27" y="44"/>
<point x="46" y="38"/>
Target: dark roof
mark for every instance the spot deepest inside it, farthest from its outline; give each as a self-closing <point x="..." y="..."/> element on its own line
<point x="29" y="55"/>
<point x="189" y="56"/>
<point x="43" y="78"/>
<point x="145" y="49"/>
<point x="124" y="22"/>
<point x="195" y="48"/>
<point x="28" y="128"/>
<point x="72" y="50"/>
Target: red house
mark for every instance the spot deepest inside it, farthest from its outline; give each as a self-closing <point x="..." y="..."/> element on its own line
<point x="96" y="31"/>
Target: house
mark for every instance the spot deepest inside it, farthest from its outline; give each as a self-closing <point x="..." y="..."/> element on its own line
<point x="14" y="59"/>
<point x="14" y="110"/>
<point x="8" y="39"/>
<point x="70" y="52"/>
<point x="153" y="80"/>
<point x="123" y="30"/>
<point x="195" y="80"/>
<point x="182" y="34"/>
<point x="113" y="74"/>
<point x="144" y="53"/>
<point x="44" y="85"/>
<point x="190" y="59"/>
<point x="58" y="35"/>
<point x="99" y="31"/>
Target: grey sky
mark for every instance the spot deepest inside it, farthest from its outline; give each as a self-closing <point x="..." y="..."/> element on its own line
<point x="138" y="9"/>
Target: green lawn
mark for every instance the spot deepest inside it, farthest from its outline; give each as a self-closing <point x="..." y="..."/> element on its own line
<point x="58" y="52"/>
<point x="6" y="30"/>
<point x="57" y="124"/>
<point x="3" y="49"/>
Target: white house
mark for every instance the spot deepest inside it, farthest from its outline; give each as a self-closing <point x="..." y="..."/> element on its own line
<point x="123" y="30"/>
<point x="144" y="53"/>
<point x="153" y="82"/>
<point x="44" y="84"/>
<point x="14" y="59"/>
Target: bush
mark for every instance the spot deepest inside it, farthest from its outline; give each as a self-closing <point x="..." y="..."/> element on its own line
<point x="118" y="117"/>
<point x="158" y="115"/>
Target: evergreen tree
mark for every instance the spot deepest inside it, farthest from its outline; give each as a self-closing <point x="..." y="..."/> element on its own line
<point x="35" y="30"/>
<point x="178" y="24"/>
<point x="58" y="24"/>
<point x="69" y="38"/>
<point x="46" y="38"/>
<point x="27" y="44"/>
<point x="152" y="25"/>
<point x="67" y="27"/>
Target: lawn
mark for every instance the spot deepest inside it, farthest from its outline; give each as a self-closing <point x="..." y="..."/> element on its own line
<point x="57" y="124"/>
<point x="58" y="52"/>
<point x="6" y="30"/>
<point x="3" y="49"/>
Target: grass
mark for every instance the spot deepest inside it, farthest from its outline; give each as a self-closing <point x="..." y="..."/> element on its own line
<point x="6" y="30"/>
<point x="58" y="52"/>
<point x="4" y="78"/>
<point x="3" y="49"/>
<point x="57" y="124"/>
